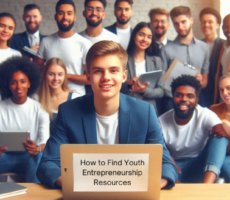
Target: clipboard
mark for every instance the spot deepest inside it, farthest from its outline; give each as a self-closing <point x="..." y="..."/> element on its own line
<point x="176" y="69"/>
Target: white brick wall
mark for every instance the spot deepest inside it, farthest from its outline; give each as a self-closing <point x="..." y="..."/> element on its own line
<point x="140" y="7"/>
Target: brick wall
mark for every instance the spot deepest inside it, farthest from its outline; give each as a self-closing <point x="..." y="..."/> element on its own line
<point x="140" y="7"/>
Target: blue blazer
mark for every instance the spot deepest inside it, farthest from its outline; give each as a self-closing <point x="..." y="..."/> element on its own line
<point x="76" y="124"/>
<point x="20" y="40"/>
<point x="113" y="28"/>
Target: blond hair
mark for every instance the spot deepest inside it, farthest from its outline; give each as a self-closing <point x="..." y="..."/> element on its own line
<point x="44" y="90"/>
<point x="103" y="48"/>
<point x="224" y="77"/>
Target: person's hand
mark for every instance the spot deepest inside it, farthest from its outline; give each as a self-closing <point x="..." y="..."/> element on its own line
<point x="199" y="77"/>
<point x="219" y="131"/>
<point x="31" y="147"/>
<point x="2" y="150"/>
<point x="164" y="182"/>
<point x="226" y="126"/>
<point x="35" y="47"/>
<point x="138" y="87"/>
<point x="132" y="80"/>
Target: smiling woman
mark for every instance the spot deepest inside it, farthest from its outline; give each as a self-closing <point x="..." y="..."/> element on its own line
<point x="7" y="26"/>
<point x="142" y="51"/>
<point x="20" y="78"/>
<point x="54" y="90"/>
<point x="223" y="111"/>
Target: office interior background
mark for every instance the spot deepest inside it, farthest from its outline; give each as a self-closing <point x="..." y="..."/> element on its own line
<point x="140" y="8"/>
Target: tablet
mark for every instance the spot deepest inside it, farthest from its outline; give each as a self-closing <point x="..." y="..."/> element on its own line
<point x="13" y="140"/>
<point x="152" y="77"/>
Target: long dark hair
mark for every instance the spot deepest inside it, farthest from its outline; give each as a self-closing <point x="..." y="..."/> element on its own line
<point x="5" y="14"/>
<point x="152" y="49"/>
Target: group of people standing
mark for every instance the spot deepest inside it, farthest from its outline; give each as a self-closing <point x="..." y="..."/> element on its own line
<point x="61" y="57"/>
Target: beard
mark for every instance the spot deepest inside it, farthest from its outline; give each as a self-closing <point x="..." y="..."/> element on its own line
<point x="93" y="24"/>
<point x="182" y="115"/>
<point x="159" y="35"/>
<point x="64" y="28"/>
<point x="122" y="22"/>
<point x="32" y="31"/>
<point x="187" y="32"/>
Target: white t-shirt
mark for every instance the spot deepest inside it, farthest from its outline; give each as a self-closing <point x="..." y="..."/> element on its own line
<point x="225" y="59"/>
<point x="105" y="35"/>
<point x="7" y="53"/>
<point x="107" y="129"/>
<point x="188" y="140"/>
<point x="71" y="50"/>
<point x="124" y="36"/>
<point x="140" y="68"/>
<point x="25" y="117"/>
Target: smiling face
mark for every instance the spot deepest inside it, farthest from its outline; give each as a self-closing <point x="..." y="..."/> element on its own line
<point x="106" y="76"/>
<point x="160" y="24"/>
<point x="123" y="12"/>
<point x="226" y="27"/>
<point x="7" y="27"/>
<point x="94" y="13"/>
<point x="55" y="76"/>
<point x="65" y="17"/>
<point x="32" y="20"/>
<point x="208" y="24"/>
<point x="183" y="25"/>
<point x="19" y="85"/>
<point x="184" y="101"/>
<point x="224" y="88"/>
<point x="143" y="38"/>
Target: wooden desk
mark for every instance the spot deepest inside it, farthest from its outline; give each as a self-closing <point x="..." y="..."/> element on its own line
<point x="179" y="192"/>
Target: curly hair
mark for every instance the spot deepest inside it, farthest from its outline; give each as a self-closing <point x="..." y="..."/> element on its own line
<point x="15" y="64"/>
<point x="186" y="80"/>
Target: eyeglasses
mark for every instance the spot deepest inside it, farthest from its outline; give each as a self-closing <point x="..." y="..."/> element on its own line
<point x="91" y="9"/>
<point x="155" y="21"/>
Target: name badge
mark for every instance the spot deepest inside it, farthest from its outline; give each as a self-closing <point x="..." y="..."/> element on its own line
<point x="110" y="172"/>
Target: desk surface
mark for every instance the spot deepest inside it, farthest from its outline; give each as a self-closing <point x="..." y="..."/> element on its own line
<point x="179" y="192"/>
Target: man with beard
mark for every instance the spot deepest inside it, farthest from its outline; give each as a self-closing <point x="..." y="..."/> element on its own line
<point x="160" y="21"/>
<point x="94" y="13"/>
<point x="31" y="37"/>
<point x="123" y="12"/>
<point x="186" y="48"/>
<point x="186" y="128"/>
<point x="68" y="46"/>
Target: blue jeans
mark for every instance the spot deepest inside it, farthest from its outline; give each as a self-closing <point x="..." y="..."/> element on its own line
<point x="225" y="171"/>
<point x="210" y="159"/>
<point x="21" y="163"/>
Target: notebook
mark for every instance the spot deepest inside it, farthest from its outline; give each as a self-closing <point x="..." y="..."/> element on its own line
<point x="9" y="189"/>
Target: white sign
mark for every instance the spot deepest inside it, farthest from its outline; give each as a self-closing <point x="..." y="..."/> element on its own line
<point x="110" y="172"/>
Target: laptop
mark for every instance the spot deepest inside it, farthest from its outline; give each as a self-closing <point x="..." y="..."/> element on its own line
<point x="124" y="171"/>
<point x="13" y="140"/>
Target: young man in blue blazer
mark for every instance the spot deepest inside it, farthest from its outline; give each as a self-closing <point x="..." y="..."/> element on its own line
<point x="104" y="117"/>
